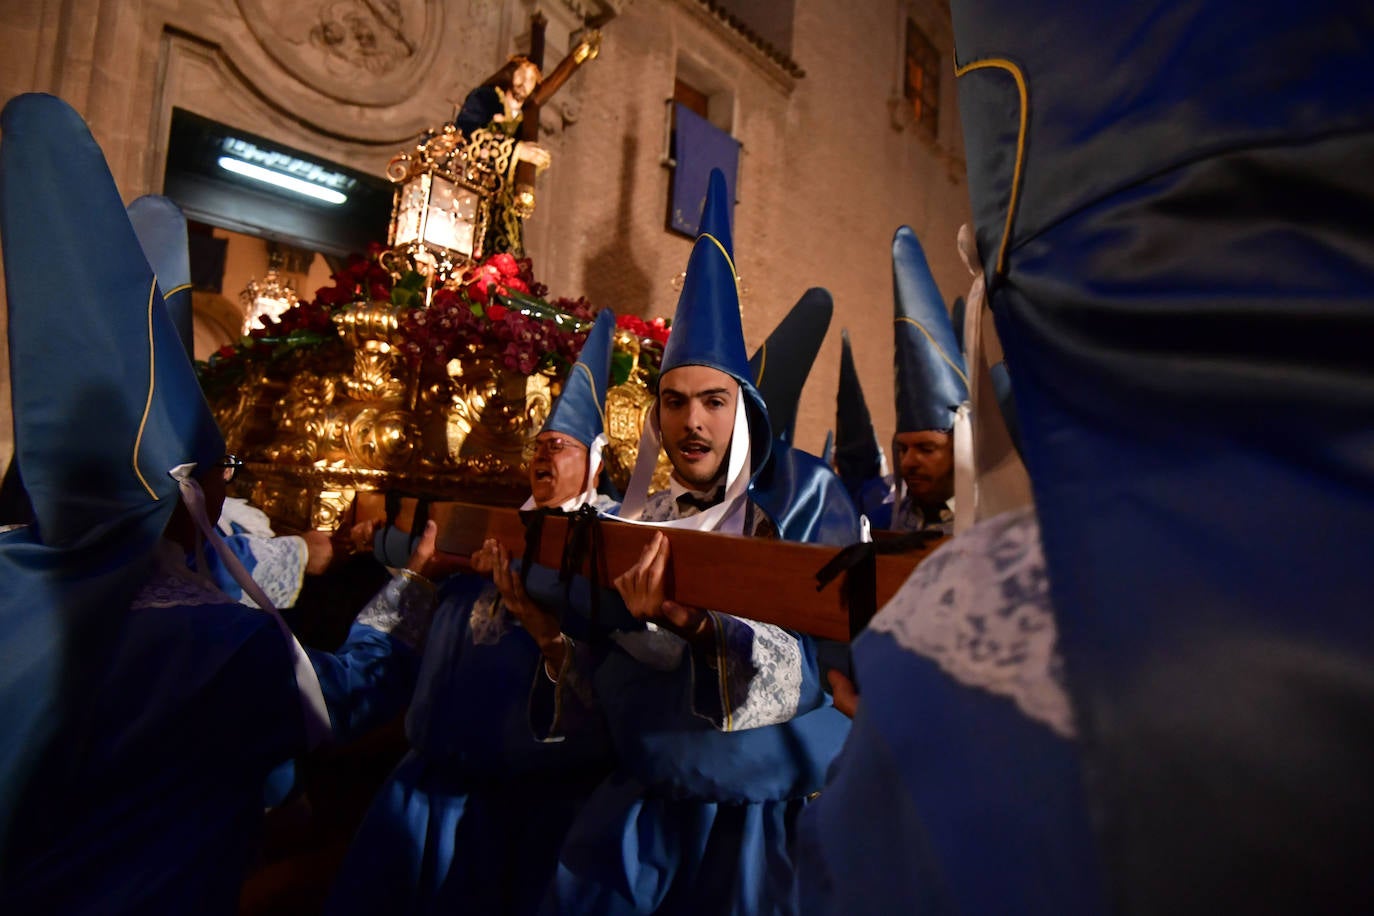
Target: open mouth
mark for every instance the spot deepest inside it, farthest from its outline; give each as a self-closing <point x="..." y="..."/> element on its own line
<point x="693" y="451"/>
<point x="543" y="474"/>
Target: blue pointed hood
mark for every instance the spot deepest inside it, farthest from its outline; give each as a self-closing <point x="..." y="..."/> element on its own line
<point x="105" y="403"/>
<point x="931" y="380"/>
<point x="707" y="330"/>
<point x="126" y="383"/>
<point x="581" y="408"/>
<point x="781" y="365"/>
<point x="857" y="459"/>
<point x="161" y="229"/>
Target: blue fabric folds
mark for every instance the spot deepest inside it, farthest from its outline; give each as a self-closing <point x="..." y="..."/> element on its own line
<point x="1181" y="280"/>
<point x="154" y="805"/>
<point x="946" y="799"/>
<point x="666" y="747"/>
<point x="804" y="498"/>
<point x="105" y="403"/>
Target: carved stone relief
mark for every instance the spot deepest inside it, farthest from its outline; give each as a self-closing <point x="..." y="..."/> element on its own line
<point x="366" y="52"/>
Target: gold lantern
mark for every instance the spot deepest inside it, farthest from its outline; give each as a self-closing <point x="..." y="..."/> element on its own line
<point x="444" y="194"/>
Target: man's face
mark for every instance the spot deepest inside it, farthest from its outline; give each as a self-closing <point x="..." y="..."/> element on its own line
<point x="558" y="469"/>
<point x="926" y="462"/>
<point x="523" y="81"/>
<point x="696" y="414"/>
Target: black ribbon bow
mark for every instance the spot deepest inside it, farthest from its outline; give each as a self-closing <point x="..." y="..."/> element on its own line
<point x="691" y="501"/>
<point x="860" y="561"/>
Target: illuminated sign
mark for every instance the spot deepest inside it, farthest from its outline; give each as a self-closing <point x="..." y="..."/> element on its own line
<point x="285" y="171"/>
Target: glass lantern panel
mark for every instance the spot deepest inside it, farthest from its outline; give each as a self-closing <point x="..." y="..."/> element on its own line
<point x="451" y="213"/>
<point x="410" y="215"/>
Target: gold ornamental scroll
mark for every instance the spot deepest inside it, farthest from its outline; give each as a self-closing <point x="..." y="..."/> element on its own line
<point x="765" y="580"/>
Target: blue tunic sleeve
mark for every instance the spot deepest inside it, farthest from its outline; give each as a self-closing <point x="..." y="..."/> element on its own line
<point x="372" y="675"/>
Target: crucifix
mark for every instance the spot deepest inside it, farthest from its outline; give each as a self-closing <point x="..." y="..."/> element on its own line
<point x="586" y="49"/>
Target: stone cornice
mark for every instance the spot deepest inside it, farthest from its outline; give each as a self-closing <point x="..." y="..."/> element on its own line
<point x="778" y="66"/>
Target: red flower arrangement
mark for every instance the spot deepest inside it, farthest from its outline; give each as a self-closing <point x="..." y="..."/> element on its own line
<point x="655" y="329"/>
<point x="497" y="305"/>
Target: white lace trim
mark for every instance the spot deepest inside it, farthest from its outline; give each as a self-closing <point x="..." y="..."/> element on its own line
<point x="660" y="507"/>
<point x="489" y="619"/>
<point x="403" y="608"/>
<point x="980" y="608"/>
<point x="278" y="567"/>
<point x="760" y="669"/>
<point x="171" y="591"/>
<point x="759" y="665"/>
<point x="173" y="585"/>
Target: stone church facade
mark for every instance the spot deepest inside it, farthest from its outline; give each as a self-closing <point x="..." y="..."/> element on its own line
<point x="837" y="149"/>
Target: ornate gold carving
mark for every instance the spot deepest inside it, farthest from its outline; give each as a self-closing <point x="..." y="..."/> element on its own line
<point x="627" y="410"/>
<point x="372" y="331"/>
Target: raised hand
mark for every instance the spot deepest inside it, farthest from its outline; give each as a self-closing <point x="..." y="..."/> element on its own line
<point x="641" y="586"/>
<point x="430" y="562"/>
<point x="539" y="623"/>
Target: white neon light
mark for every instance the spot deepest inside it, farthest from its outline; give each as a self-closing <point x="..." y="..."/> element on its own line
<point x="286" y="182"/>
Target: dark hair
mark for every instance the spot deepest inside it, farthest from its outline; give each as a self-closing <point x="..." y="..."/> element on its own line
<point x="505" y="77"/>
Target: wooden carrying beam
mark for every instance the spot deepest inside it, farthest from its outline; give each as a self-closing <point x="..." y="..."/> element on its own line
<point x="766" y="580"/>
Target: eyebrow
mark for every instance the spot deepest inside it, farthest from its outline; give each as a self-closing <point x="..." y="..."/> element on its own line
<point x="695" y="394"/>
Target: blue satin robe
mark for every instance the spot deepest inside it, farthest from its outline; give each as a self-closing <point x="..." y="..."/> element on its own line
<point x="948" y="797"/>
<point x="472" y="818"/>
<point x="945" y="800"/>
<point x="152" y="801"/>
<point x="699" y="815"/>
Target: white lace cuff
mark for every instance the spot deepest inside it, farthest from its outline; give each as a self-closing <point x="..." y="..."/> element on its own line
<point x="979" y="607"/>
<point x="279" y="568"/>
<point x="403" y="608"/>
<point x="756" y="675"/>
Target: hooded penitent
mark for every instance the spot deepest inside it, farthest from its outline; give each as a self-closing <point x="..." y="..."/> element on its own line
<point x="801" y="496"/>
<point x="781" y="365"/>
<point x="707" y="332"/>
<point x="1172" y="205"/>
<point x="161" y="229"/>
<point x="931" y="383"/>
<point x="105" y="404"/>
<point x="929" y="369"/>
<point x="581" y="408"/>
<point x="858" y="457"/>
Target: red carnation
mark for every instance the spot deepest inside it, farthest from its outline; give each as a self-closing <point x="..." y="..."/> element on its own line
<point x="505" y="263"/>
<point x="496" y="312"/>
